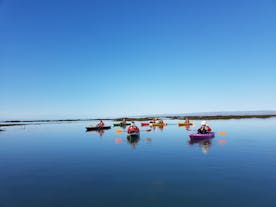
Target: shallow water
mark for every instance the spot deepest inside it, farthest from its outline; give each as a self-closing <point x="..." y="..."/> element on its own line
<point x="62" y="165"/>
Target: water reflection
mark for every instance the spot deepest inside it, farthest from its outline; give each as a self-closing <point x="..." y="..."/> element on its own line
<point x="188" y="127"/>
<point x="100" y="132"/>
<point x="148" y="139"/>
<point x="222" y="141"/>
<point x="118" y="140"/>
<point x="204" y="144"/>
<point x="160" y="128"/>
<point x="133" y="140"/>
<point x="123" y="126"/>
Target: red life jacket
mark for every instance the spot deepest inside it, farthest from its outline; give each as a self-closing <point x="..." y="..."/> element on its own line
<point x="133" y="129"/>
<point x="101" y="124"/>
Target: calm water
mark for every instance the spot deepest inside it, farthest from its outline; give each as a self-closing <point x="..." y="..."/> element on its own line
<point x="62" y="165"/>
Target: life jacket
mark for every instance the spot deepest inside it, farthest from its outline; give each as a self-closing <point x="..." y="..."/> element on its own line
<point x="133" y="129"/>
<point x="101" y="124"/>
<point x="204" y="130"/>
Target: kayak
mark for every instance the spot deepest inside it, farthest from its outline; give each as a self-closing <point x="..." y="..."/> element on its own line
<point x="185" y="124"/>
<point x="121" y="124"/>
<point x="97" y="128"/>
<point x="202" y="136"/>
<point x="145" y="124"/>
<point x="134" y="134"/>
<point x="159" y="124"/>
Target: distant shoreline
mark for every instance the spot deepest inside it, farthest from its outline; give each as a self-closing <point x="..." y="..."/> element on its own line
<point x="218" y="117"/>
<point x="192" y="117"/>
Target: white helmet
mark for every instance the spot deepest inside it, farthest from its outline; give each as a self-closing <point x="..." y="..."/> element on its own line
<point x="204" y="123"/>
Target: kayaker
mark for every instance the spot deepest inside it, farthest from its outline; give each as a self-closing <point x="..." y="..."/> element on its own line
<point x="160" y="121"/>
<point x="204" y="128"/>
<point x="133" y="128"/>
<point x="101" y="124"/>
<point x="124" y="121"/>
<point x="187" y="121"/>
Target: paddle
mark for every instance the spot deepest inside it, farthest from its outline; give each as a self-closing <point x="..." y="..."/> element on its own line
<point x="220" y="133"/>
<point x="118" y="131"/>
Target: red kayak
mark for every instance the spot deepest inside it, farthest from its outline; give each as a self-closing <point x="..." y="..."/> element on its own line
<point x="145" y="124"/>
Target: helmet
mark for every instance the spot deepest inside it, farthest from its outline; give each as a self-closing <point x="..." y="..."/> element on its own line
<point x="203" y="123"/>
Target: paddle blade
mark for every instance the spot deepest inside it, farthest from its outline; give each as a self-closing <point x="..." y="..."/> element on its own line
<point x="222" y="133"/>
<point x="147" y="130"/>
<point x="118" y="131"/>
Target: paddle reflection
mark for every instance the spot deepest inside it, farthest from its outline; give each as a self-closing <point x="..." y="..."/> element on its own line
<point x="222" y="141"/>
<point x="118" y="140"/>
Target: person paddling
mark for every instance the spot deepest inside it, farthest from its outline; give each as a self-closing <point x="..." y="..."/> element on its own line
<point x="204" y="128"/>
<point x="133" y="128"/>
<point x="161" y="122"/>
<point x="187" y="121"/>
<point x="123" y="122"/>
<point x="101" y="124"/>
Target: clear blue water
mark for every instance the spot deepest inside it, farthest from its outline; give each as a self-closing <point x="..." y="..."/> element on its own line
<point x="62" y="165"/>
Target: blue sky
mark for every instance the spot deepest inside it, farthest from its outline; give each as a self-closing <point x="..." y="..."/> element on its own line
<point x="79" y="59"/>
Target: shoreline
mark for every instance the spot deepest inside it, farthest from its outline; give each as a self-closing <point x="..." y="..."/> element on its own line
<point x="203" y="117"/>
<point x="219" y="117"/>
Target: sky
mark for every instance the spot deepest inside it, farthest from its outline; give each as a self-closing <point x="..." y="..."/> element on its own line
<point x="106" y="58"/>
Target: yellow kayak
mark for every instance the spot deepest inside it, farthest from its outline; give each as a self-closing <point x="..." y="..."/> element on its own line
<point x="159" y="124"/>
<point x="185" y="124"/>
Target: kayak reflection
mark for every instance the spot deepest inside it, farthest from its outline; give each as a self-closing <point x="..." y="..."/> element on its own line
<point x="160" y="128"/>
<point x="100" y="132"/>
<point x="133" y="140"/>
<point x="188" y="127"/>
<point x="204" y="144"/>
